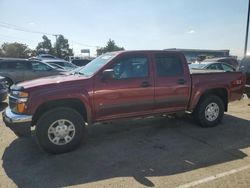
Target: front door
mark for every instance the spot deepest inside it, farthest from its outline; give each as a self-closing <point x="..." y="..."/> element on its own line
<point x="129" y="93"/>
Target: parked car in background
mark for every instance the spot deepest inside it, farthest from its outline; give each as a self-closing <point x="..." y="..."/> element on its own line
<point x="3" y="89"/>
<point x="245" y="68"/>
<point x="227" y="60"/>
<point x="56" y="66"/>
<point x="65" y="64"/>
<point x="21" y="70"/>
<point x="80" y="62"/>
<point x="43" y="56"/>
<point x="212" y="66"/>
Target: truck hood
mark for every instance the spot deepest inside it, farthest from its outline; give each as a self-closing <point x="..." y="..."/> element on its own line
<point x="51" y="80"/>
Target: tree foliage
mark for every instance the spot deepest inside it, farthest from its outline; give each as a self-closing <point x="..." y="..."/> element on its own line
<point x="61" y="47"/>
<point x="16" y="50"/>
<point x="45" y="46"/>
<point x="110" y="47"/>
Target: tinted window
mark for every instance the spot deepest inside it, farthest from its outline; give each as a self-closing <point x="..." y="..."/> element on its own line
<point x="131" y="67"/>
<point x="17" y="65"/>
<point x="80" y="62"/>
<point x="227" y="67"/>
<point x="59" y="63"/>
<point x="168" y="65"/>
<point x="3" y="64"/>
<point x="37" y="66"/>
<point x="216" y="66"/>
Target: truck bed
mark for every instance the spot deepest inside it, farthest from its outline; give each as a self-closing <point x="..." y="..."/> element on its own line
<point x="215" y="79"/>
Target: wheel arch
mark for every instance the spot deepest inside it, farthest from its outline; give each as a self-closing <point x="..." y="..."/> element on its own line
<point x="75" y="104"/>
<point x="222" y="93"/>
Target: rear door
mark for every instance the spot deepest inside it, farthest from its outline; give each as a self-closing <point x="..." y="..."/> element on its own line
<point x="129" y="93"/>
<point x="172" y="82"/>
<point x="15" y="70"/>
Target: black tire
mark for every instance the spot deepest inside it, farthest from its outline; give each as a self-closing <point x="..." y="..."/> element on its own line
<point x="200" y="115"/>
<point x="52" y="116"/>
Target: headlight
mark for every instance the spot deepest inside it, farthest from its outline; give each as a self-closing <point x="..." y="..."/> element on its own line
<point x="19" y="94"/>
<point x="17" y="101"/>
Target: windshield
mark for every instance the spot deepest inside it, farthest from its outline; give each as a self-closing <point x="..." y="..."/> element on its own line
<point x="96" y="64"/>
<point x="196" y="66"/>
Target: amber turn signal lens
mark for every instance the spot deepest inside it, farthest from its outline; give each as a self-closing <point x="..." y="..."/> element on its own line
<point x="23" y="94"/>
<point x="21" y="107"/>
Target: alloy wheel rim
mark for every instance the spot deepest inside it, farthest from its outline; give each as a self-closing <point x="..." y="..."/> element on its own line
<point x="61" y="132"/>
<point x="212" y="112"/>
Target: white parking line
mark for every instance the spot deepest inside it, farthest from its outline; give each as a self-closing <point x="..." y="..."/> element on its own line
<point x="214" y="177"/>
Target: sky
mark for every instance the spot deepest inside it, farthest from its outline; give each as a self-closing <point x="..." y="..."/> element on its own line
<point x="132" y="24"/>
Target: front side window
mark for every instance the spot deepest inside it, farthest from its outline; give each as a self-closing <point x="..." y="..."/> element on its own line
<point x="168" y="66"/>
<point x="131" y="67"/>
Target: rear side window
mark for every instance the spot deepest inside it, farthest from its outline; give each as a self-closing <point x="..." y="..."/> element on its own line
<point x="227" y="68"/>
<point x="215" y="66"/>
<point x="3" y="65"/>
<point x="17" y="65"/>
<point x="168" y="65"/>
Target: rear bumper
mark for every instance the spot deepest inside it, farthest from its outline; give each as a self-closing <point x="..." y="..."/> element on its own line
<point x="19" y="124"/>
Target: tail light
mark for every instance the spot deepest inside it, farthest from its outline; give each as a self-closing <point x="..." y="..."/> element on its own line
<point x="240" y="81"/>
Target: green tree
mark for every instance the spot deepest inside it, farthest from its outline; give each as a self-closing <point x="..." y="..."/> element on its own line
<point x="1" y="53"/>
<point x="45" y="46"/>
<point x="61" y="48"/>
<point x="17" y="50"/>
<point x="110" y="47"/>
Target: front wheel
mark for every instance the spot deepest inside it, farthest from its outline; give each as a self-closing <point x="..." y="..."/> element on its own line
<point x="209" y="111"/>
<point x="60" y="130"/>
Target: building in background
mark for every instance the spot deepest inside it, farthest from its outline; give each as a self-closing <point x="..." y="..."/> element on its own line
<point x="193" y="55"/>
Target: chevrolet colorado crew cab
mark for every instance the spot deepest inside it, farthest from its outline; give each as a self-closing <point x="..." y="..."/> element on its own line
<point x="115" y="85"/>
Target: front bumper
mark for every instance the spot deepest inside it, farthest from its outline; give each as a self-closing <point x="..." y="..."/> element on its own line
<point x="20" y="124"/>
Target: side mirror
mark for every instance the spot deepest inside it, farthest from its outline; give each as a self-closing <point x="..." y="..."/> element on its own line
<point x="108" y="74"/>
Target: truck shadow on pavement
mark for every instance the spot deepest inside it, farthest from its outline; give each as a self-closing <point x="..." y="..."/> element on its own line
<point x="138" y="148"/>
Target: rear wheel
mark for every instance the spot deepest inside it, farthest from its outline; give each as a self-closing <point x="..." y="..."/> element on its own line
<point x="209" y="111"/>
<point x="60" y="130"/>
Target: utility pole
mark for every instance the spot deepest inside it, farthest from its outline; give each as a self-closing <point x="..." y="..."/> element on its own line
<point x="56" y="35"/>
<point x="246" y="39"/>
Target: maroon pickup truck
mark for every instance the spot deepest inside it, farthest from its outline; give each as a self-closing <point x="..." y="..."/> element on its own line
<point x="118" y="85"/>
